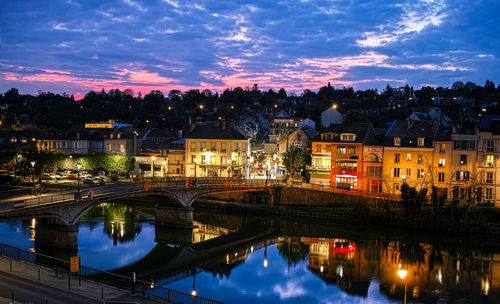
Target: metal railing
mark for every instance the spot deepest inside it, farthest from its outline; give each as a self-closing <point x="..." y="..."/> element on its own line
<point x="138" y="184"/>
<point x="103" y="279"/>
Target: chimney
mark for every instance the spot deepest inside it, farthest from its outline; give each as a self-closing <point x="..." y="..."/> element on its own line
<point x="179" y="133"/>
<point x="410" y="123"/>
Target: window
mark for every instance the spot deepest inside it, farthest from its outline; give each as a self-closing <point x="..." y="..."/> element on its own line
<point x="442" y="148"/>
<point x="213" y="147"/>
<point x="341" y="150"/>
<point x="396" y="172"/>
<point x="235" y="147"/>
<point x="397" y="141"/>
<point x="374" y="172"/>
<point x="441" y="177"/>
<point x="408" y="172"/>
<point x="317" y="148"/>
<point x="420" y="141"/>
<point x="223" y="160"/>
<point x="490" y="160"/>
<point x="109" y="147"/>
<point x="347" y="137"/>
<point x="396" y="157"/>
<point x="464" y="145"/>
<point x="462" y="175"/>
<point x="203" y="146"/>
<point x="488" y="193"/>
<point x="408" y="156"/>
<point x="203" y="159"/>
<point x="490" y="145"/>
<point x="122" y="148"/>
<point x="352" y="150"/>
<point x="420" y="173"/>
<point x="420" y="158"/>
<point x="223" y="147"/>
<point x="193" y="147"/>
<point x="489" y="177"/>
<point x="442" y="162"/>
<point x="193" y="157"/>
<point x="396" y="187"/>
<point x="463" y="159"/>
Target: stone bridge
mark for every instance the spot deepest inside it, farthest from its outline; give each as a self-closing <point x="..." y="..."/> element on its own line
<point x="66" y="209"/>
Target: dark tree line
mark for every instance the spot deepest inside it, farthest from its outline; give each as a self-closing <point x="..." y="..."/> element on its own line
<point x="154" y="109"/>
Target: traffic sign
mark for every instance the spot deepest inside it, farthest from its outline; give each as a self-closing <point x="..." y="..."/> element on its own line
<point x="74" y="263"/>
<point x="147" y="186"/>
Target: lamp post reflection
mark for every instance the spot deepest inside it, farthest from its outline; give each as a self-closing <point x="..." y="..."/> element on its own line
<point x="193" y="293"/>
<point x="265" y="256"/>
<point x="402" y="274"/>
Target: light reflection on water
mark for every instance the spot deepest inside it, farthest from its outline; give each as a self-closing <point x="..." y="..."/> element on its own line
<point x="240" y="259"/>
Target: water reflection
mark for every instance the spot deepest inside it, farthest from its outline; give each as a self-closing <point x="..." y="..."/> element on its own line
<point x="244" y="259"/>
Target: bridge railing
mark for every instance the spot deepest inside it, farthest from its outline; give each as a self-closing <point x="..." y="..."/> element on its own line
<point x="206" y="182"/>
<point x="102" y="279"/>
<point x="71" y="196"/>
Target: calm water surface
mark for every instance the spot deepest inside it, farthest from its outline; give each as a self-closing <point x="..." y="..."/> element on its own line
<point x="244" y="259"/>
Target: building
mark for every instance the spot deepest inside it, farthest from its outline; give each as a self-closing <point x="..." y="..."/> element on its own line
<point x="463" y="162"/>
<point x="330" y="116"/>
<point x="71" y="142"/>
<point x="110" y="124"/>
<point x="486" y="181"/>
<point x="124" y="141"/>
<point x="282" y="124"/>
<point x="408" y="155"/>
<point x="338" y="157"/>
<point x="217" y="150"/>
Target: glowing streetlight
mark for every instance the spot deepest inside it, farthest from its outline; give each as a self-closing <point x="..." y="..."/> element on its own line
<point x="201" y="107"/>
<point x="334" y="106"/>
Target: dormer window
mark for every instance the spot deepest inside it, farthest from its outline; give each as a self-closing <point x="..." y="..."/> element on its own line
<point x="347" y="137"/>
<point x="397" y="141"/>
<point x="420" y="141"/>
<point x="111" y="136"/>
<point x="118" y="135"/>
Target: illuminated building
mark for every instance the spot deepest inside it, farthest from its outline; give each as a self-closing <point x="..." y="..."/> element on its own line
<point x="217" y="149"/>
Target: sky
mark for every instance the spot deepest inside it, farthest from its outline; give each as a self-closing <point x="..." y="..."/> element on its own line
<point x="76" y="46"/>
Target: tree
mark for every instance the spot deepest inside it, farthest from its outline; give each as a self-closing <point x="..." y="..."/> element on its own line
<point x="294" y="160"/>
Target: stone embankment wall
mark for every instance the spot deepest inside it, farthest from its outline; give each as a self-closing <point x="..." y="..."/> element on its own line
<point x="301" y="196"/>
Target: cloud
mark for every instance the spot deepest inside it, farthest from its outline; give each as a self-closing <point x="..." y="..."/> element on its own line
<point x="416" y="17"/>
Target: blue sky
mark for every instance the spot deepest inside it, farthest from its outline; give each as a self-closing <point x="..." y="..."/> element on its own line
<point x="75" y="46"/>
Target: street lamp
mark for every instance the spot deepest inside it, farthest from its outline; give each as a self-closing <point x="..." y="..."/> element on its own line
<point x="33" y="166"/>
<point x="195" y="161"/>
<point x="402" y="274"/>
<point x="153" y="163"/>
<point x="193" y="293"/>
<point x="78" y="166"/>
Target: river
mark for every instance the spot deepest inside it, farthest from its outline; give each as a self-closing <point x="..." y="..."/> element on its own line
<point x="248" y="259"/>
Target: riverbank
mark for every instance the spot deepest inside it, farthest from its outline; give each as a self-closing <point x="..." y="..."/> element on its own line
<point x="461" y="219"/>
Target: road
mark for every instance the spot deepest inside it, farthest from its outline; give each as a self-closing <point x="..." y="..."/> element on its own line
<point x="27" y="291"/>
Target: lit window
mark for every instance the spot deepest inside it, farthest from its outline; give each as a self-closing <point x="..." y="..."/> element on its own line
<point x="109" y="147"/>
<point x="420" y="173"/>
<point x="408" y="156"/>
<point x="420" y="141"/>
<point x="442" y="148"/>
<point x="490" y="160"/>
<point x="341" y="150"/>
<point x="420" y="158"/>
<point x="442" y="162"/>
<point x="397" y="141"/>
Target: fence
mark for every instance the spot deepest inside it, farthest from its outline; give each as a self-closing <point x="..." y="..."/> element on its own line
<point x="102" y="279"/>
